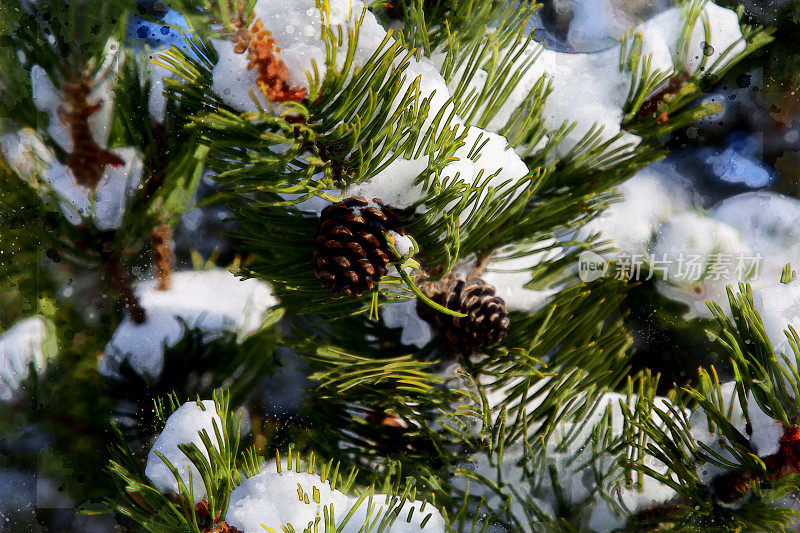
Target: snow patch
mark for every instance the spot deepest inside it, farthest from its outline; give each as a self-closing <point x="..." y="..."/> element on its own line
<point x="29" y="341"/>
<point x="770" y="224"/>
<point x="779" y="308"/>
<point x="212" y="300"/>
<point x="696" y="258"/>
<point x="105" y="204"/>
<point x="510" y="275"/>
<point x="649" y="198"/>
<point x="184" y="426"/>
<point x="270" y="500"/>
<point x="416" y="332"/>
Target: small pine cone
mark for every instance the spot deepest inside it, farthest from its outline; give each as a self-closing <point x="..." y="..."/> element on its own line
<point x="351" y="252"/>
<point x="486" y="323"/>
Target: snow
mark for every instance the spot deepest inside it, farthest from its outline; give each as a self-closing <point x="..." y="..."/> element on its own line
<point x="577" y="454"/>
<point x="652" y="494"/>
<point x="403" y="243"/>
<point x="25" y="152"/>
<point x="105" y="205"/>
<point x="47" y="98"/>
<point x="764" y="434"/>
<point x="725" y="31"/>
<point x="157" y="100"/>
<point x="649" y="198"/>
<point x="696" y="257"/>
<point x="588" y="89"/>
<point x="599" y="24"/>
<point x="296" y="28"/>
<point x="395" y="184"/>
<point x="300" y="61"/>
<point x="751" y="236"/>
<point x="28" y="341"/>
<point x="496" y="165"/>
<point x="779" y="308"/>
<point x="416" y="331"/>
<point x="233" y="82"/>
<point x="184" y="426"/>
<point x="770" y="224"/>
<point x="212" y="300"/>
<point x="509" y="275"/>
<point x="271" y="499"/>
<point x="572" y="462"/>
<point x="766" y="431"/>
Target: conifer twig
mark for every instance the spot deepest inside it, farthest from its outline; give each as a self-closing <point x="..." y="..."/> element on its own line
<point x="120" y="282"/>
<point x="161" y="242"/>
<point x="651" y="104"/>
<point x="87" y="160"/>
<point x="733" y="485"/>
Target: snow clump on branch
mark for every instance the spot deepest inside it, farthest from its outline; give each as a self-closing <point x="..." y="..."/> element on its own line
<point x="214" y="301"/>
<point x="269" y="500"/>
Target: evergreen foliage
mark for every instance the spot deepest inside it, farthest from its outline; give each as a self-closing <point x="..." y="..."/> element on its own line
<point x="485" y="438"/>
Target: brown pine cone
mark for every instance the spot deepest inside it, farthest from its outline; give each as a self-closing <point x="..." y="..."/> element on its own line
<point x="486" y="323"/>
<point x="351" y="252"/>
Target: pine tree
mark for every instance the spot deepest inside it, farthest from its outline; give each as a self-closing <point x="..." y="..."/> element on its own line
<point x="408" y="189"/>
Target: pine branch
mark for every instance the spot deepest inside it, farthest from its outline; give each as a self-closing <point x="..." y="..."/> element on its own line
<point x="660" y="102"/>
<point x="141" y="502"/>
<point x="743" y="473"/>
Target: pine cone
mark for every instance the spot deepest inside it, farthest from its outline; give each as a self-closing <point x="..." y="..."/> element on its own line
<point x="351" y="252"/>
<point x="486" y="322"/>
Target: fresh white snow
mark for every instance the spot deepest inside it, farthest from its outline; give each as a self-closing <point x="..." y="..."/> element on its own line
<point x="648" y="199"/>
<point x="212" y="300"/>
<point x="779" y="308"/>
<point x="271" y="499"/>
<point x="105" y="204"/>
<point x="696" y="258"/>
<point x="184" y="426"/>
<point x="770" y="224"/>
<point x="29" y="341"/>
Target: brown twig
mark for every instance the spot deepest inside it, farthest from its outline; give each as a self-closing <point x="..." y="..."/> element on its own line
<point x="273" y="76"/>
<point x="161" y="243"/>
<point x="481" y="263"/>
<point x="211" y="526"/>
<point x="120" y="283"/>
<point x="87" y="160"/>
<point x="733" y="485"/>
<point x="650" y="106"/>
